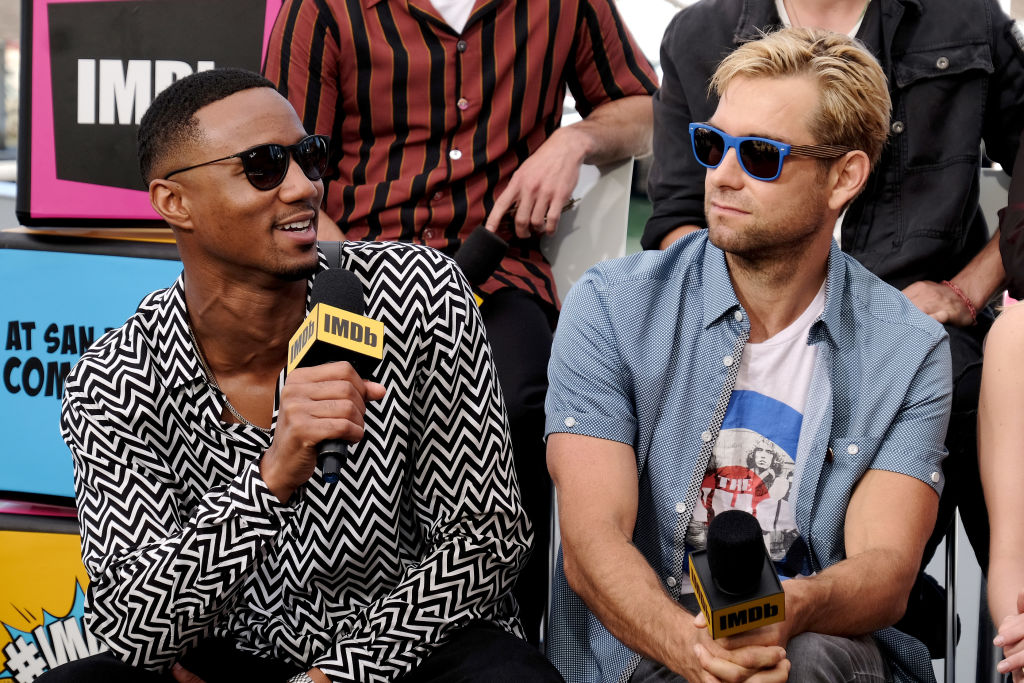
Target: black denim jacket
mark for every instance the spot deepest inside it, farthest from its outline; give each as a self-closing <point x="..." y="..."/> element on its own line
<point x="956" y="77"/>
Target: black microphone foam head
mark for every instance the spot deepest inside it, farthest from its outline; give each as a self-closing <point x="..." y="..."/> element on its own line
<point x="480" y="254"/>
<point x="339" y="288"/>
<point x="736" y="552"/>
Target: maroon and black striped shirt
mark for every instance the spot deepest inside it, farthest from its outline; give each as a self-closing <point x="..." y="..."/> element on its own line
<point x="428" y="125"/>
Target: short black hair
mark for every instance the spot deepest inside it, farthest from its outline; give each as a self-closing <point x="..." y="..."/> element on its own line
<point x="170" y="120"/>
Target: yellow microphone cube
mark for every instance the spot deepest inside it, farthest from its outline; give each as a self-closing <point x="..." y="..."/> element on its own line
<point x="327" y="329"/>
<point x="730" y="615"/>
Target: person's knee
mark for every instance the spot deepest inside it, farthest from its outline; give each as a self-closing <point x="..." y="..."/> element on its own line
<point x="817" y="658"/>
<point x="101" y="668"/>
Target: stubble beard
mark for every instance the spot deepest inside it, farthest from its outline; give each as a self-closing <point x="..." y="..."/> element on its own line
<point x="769" y="246"/>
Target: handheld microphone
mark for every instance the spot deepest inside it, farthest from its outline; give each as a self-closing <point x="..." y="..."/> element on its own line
<point x="734" y="578"/>
<point x="336" y="330"/>
<point x="480" y="255"/>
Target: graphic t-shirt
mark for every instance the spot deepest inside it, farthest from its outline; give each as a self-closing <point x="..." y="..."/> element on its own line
<point x="753" y="461"/>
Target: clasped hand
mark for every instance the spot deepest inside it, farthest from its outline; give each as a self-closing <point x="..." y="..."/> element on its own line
<point x="758" y="656"/>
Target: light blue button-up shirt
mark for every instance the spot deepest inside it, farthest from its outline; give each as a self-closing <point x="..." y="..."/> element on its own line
<point x="646" y="353"/>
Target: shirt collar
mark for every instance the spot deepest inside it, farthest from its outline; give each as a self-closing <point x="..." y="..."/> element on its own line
<point x="835" y="293"/>
<point x="758" y="14"/>
<point x="425" y="7"/>
<point x="178" y="358"/>
<point x="720" y="298"/>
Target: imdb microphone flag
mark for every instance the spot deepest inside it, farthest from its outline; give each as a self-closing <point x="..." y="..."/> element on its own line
<point x="328" y="329"/>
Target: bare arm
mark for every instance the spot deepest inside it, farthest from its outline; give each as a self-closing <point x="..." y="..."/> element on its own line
<point x="596" y="482"/>
<point x="676" y="234"/>
<point x="887" y="523"/>
<point x="542" y="185"/>
<point x="1000" y="434"/>
<point x="979" y="281"/>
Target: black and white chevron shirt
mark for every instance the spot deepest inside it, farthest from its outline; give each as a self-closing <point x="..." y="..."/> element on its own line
<point x="183" y="540"/>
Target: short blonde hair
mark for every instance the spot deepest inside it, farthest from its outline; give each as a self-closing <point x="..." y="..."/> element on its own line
<point x="853" y="105"/>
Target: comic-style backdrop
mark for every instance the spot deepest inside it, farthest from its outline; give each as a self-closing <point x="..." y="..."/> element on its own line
<point x="43" y="583"/>
<point x="56" y="305"/>
<point x="89" y="71"/>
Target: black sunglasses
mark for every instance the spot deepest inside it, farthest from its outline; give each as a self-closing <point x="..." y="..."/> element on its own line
<point x="760" y="158"/>
<point x="267" y="165"/>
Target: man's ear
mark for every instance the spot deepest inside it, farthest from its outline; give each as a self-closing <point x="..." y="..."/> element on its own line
<point x="168" y="200"/>
<point x="847" y="178"/>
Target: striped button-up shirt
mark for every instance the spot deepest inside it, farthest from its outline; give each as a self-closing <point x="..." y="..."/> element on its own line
<point x="646" y="354"/>
<point x="428" y="125"/>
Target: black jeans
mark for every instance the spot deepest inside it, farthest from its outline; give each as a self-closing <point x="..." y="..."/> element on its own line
<point x="519" y="329"/>
<point x="478" y="653"/>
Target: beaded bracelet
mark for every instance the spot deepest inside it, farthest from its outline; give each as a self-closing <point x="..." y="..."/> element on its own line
<point x="963" y="297"/>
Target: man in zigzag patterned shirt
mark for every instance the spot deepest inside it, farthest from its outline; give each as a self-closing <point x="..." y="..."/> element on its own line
<point x="215" y="549"/>
<point x="753" y="367"/>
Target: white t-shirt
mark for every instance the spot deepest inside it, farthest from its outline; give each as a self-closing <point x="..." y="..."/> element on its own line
<point x="455" y="12"/>
<point x="752" y="464"/>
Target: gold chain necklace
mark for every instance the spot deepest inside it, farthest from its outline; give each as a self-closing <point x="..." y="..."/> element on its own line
<point x="213" y="380"/>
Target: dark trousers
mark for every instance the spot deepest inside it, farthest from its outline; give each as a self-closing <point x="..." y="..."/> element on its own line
<point x="519" y="329"/>
<point x="478" y="653"/>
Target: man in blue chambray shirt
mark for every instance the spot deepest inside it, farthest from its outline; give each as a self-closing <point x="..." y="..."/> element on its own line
<point x="753" y="367"/>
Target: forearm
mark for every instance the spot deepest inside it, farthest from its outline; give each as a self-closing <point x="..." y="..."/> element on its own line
<point x="1005" y="581"/>
<point x="624" y="593"/>
<point x="856" y="596"/>
<point x="672" y="236"/>
<point x="983" y="276"/>
<point x="616" y="130"/>
<point x="1000" y="432"/>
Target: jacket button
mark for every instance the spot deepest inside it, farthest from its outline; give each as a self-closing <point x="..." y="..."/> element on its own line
<point x="898" y="127"/>
<point x="942" y="63"/>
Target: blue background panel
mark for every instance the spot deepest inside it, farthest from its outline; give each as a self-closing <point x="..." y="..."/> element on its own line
<point x="51" y="306"/>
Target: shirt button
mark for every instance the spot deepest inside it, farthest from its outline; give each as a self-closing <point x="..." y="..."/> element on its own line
<point x="727" y="361"/>
<point x="705" y="437"/>
<point x="462" y="104"/>
<point x="437" y="196"/>
<point x="942" y="63"/>
<point x="853" y="449"/>
<point x="569" y="422"/>
<point x="738" y="315"/>
<point x="935" y="477"/>
<point x="680" y="508"/>
<point x="455" y="154"/>
<point x="671" y="581"/>
<point x="461" y="46"/>
<point x="898" y="127"/>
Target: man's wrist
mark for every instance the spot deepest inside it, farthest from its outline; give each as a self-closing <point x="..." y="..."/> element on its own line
<point x="964" y="299"/>
<point x="580" y="142"/>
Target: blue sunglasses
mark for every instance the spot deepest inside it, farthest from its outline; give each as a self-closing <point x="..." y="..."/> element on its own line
<point x="760" y="158"/>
